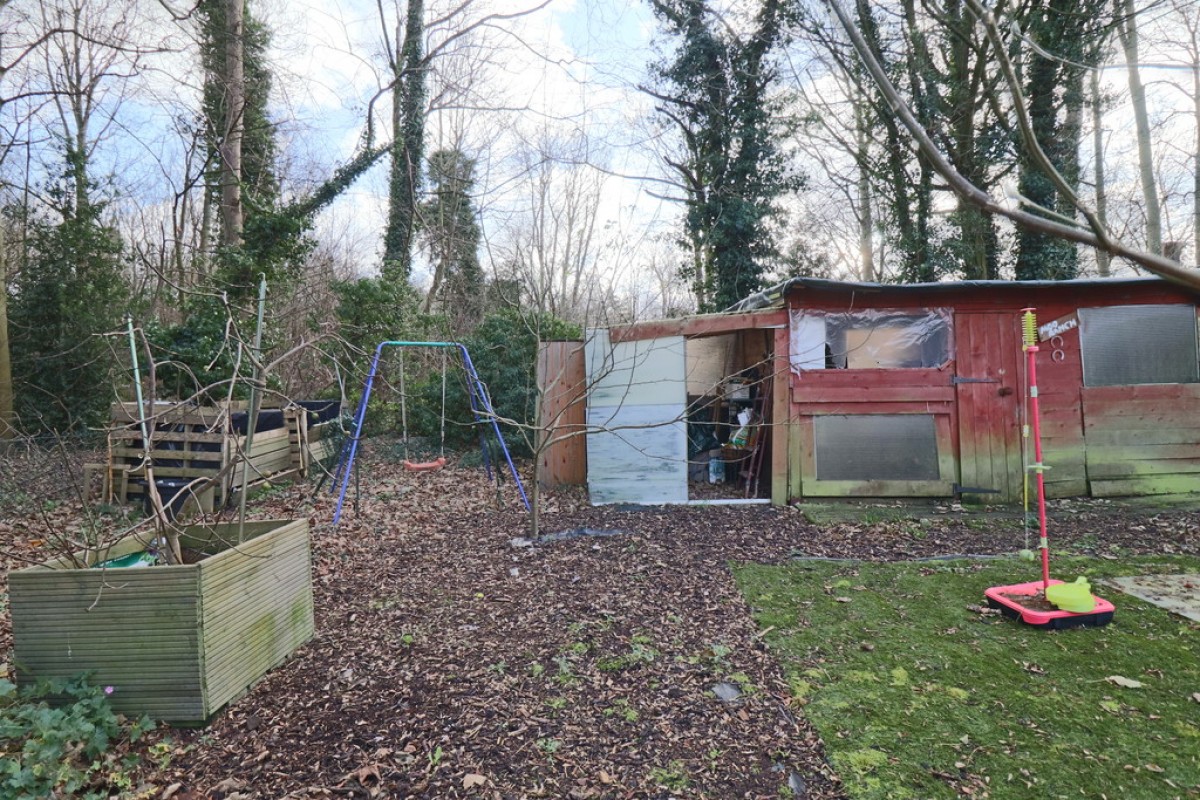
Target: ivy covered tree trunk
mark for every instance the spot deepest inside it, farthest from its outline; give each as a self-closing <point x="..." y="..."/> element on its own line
<point x="900" y="192"/>
<point x="241" y="185"/>
<point x="7" y="418"/>
<point x="233" y="80"/>
<point x="716" y="92"/>
<point x="408" y="127"/>
<point x="969" y="82"/>
<point x="451" y="231"/>
<point x="1074" y="33"/>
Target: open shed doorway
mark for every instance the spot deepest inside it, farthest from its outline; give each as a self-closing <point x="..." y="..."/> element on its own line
<point x="729" y="384"/>
<point x="679" y="417"/>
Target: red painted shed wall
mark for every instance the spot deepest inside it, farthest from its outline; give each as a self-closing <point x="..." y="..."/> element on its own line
<point x="1109" y="440"/>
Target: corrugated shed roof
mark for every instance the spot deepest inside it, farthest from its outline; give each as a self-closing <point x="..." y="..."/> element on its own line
<point x="775" y="295"/>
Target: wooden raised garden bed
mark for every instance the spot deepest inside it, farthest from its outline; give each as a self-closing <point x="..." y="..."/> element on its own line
<point x="175" y="642"/>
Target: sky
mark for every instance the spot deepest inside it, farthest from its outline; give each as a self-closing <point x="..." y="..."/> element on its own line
<point x="561" y="79"/>
<point x="564" y="73"/>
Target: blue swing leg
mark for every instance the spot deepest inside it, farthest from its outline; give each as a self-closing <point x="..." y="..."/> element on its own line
<point x="480" y="403"/>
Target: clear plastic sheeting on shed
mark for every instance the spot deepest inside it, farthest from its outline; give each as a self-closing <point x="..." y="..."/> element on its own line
<point x="870" y="339"/>
<point x="1125" y="345"/>
<point x="876" y="447"/>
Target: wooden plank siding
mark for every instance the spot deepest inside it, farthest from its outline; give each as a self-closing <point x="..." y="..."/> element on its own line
<point x="562" y="413"/>
<point x="175" y="642"/>
<point x="1108" y="441"/>
<point x="816" y="393"/>
<point x="1142" y="439"/>
<point x="257" y="606"/>
<point x="781" y="426"/>
<point x="699" y="325"/>
<point x="191" y="443"/>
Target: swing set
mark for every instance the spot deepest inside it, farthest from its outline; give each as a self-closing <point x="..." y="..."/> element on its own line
<point x="481" y="407"/>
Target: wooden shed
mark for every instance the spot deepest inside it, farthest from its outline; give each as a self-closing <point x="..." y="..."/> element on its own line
<point x="915" y="390"/>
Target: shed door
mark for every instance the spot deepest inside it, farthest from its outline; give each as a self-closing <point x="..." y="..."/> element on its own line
<point x="989" y="390"/>
<point x="637" y="435"/>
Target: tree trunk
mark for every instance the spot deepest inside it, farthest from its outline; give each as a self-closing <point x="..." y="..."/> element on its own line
<point x="866" y="217"/>
<point x="1127" y="31"/>
<point x="1196" y="163"/>
<point x="7" y="413"/>
<point x="234" y="80"/>
<point x="1103" y="259"/>
<point x="408" y="128"/>
<point x="897" y="155"/>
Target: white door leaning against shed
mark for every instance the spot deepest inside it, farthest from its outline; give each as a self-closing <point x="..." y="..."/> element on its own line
<point x="637" y="436"/>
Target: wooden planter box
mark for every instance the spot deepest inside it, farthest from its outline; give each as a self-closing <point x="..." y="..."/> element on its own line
<point x="175" y="642"/>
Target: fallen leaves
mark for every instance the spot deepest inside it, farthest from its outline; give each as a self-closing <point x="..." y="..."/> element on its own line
<point x="1121" y="680"/>
<point x="427" y="589"/>
<point x="473" y="779"/>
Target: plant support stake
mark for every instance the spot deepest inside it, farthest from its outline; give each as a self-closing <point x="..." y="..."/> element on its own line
<point x="252" y="416"/>
<point x="151" y="486"/>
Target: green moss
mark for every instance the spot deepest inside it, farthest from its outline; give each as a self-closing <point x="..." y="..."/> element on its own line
<point x="986" y="703"/>
<point x="860" y="762"/>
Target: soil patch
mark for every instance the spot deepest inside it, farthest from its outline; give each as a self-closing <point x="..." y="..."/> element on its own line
<point x="1031" y="602"/>
<point x="1176" y="593"/>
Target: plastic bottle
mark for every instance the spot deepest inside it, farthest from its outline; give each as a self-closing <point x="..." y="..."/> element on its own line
<point x="716" y="469"/>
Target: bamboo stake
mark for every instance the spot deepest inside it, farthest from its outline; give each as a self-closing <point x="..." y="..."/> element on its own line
<point x="160" y="518"/>
<point x="252" y="417"/>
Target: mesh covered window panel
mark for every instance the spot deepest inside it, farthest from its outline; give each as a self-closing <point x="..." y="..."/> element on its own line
<point x="1138" y="344"/>
<point x="876" y="447"/>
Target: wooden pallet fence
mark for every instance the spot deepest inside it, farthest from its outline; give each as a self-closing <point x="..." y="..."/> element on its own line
<point x="205" y="445"/>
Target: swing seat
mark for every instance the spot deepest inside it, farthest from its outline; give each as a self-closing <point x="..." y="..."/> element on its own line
<point x="424" y="466"/>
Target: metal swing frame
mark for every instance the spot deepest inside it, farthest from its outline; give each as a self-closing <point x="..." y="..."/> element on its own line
<point x="481" y="406"/>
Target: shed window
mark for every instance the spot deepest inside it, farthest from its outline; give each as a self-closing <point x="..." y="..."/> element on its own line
<point x="875" y="339"/>
<point x="1124" y="345"/>
<point x="876" y="447"/>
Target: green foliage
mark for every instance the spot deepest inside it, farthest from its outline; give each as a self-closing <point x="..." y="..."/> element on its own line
<point x="69" y="292"/>
<point x="917" y="692"/>
<point x="277" y="242"/>
<point x="198" y="353"/>
<point x="260" y="186"/>
<point x="451" y="233"/>
<point x="504" y="350"/>
<point x="1074" y="32"/>
<point x="372" y="310"/>
<point x="674" y="776"/>
<point x="408" y="147"/>
<point x="717" y="90"/>
<point x="275" y="239"/>
<point x="60" y="750"/>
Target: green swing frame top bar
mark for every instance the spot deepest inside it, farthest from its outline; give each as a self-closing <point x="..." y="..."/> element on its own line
<point x="480" y="403"/>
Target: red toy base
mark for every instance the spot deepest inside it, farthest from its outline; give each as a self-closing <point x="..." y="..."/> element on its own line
<point x="1057" y="619"/>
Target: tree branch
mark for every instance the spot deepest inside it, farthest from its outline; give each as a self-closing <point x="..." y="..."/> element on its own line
<point x="1156" y="264"/>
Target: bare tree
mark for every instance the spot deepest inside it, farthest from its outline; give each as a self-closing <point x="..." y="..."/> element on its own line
<point x="1127" y="28"/>
<point x="553" y="245"/>
<point x="1093" y="234"/>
